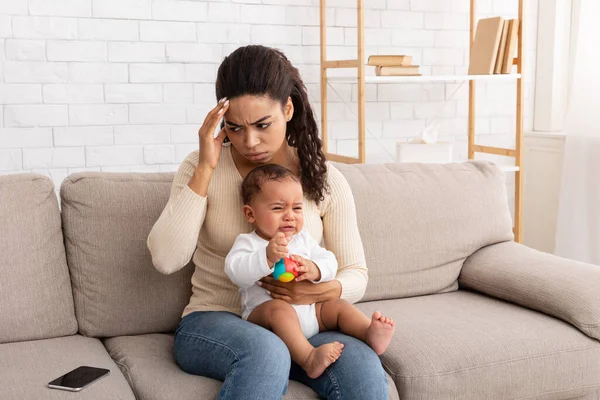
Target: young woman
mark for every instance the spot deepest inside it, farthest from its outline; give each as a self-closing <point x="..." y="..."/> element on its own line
<point x="267" y="118"/>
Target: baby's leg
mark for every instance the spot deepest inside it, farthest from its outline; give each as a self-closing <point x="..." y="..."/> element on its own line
<point x="339" y="314"/>
<point x="281" y="318"/>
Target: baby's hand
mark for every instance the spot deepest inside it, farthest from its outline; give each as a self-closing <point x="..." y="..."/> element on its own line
<point x="276" y="249"/>
<point x="307" y="270"/>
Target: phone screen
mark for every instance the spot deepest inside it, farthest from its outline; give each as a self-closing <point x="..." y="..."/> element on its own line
<point x="79" y="377"/>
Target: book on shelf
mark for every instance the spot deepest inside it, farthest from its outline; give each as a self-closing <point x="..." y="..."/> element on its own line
<point x="397" y="70"/>
<point x="484" y="50"/>
<point x="389" y="60"/>
<point x="502" y="47"/>
<point x="494" y="46"/>
<point x="511" y="44"/>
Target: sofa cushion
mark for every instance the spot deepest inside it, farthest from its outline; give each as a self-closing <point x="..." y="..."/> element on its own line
<point x="419" y="222"/>
<point x="591" y="396"/>
<point x="36" y="301"/>
<point x="27" y="367"/>
<point x="107" y="218"/>
<point x="147" y="361"/>
<point x="563" y="288"/>
<point x="464" y="345"/>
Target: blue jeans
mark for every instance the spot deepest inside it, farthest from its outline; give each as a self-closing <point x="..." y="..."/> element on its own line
<point x="254" y="363"/>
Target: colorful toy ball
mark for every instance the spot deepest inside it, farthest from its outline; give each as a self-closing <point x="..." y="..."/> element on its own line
<point x="285" y="270"/>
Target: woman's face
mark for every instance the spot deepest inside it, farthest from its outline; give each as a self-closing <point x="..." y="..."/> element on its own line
<point x="256" y="126"/>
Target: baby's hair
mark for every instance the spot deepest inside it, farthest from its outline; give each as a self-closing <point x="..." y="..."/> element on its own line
<point x="253" y="182"/>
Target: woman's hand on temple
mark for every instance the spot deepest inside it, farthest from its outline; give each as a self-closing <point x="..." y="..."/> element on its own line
<point x="304" y="292"/>
<point x="210" y="147"/>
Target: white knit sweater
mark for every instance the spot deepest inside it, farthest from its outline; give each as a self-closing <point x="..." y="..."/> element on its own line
<point x="204" y="229"/>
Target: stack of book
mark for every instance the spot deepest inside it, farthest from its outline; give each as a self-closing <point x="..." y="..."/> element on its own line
<point x="393" y="65"/>
<point x="494" y="46"/>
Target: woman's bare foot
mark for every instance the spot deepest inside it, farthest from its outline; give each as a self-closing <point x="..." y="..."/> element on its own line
<point x="380" y="332"/>
<point x="321" y="358"/>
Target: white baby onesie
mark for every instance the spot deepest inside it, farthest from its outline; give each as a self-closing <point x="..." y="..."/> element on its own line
<point x="246" y="264"/>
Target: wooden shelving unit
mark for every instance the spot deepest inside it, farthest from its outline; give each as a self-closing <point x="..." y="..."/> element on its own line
<point x="473" y="148"/>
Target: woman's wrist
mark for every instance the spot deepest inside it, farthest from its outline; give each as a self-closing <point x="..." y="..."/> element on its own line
<point x="200" y="180"/>
<point x="330" y="290"/>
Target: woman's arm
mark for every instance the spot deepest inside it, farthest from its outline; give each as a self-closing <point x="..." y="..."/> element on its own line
<point x="304" y="292"/>
<point x="341" y="236"/>
<point x="324" y="259"/>
<point x="174" y="237"/>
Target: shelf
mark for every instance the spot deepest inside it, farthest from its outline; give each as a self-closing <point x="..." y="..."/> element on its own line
<point x="425" y="78"/>
<point x="353" y="71"/>
<point x="509" y="168"/>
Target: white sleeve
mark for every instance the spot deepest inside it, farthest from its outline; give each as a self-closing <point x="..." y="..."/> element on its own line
<point x="246" y="263"/>
<point x="324" y="259"/>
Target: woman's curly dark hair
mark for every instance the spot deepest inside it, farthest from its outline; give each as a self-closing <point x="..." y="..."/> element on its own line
<point x="258" y="70"/>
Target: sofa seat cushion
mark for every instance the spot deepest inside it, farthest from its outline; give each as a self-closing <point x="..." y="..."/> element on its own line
<point x="463" y="345"/>
<point x="147" y="362"/>
<point x="36" y="301"/>
<point x="27" y="367"/>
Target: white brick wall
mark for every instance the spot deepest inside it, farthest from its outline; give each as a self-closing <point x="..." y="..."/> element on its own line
<point x="23" y="50"/>
<point x="123" y="85"/>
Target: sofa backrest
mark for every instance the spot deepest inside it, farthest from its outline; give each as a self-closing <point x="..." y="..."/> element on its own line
<point x="36" y="301"/>
<point x="419" y="222"/>
<point x="106" y="220"/>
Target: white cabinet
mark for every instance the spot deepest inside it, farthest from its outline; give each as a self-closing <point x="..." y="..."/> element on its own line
<point x="543" y="158"/>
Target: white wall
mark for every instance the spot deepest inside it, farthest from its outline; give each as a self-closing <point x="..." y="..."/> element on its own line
<point x="124" y="85"/>
<point x="544" y="146"/>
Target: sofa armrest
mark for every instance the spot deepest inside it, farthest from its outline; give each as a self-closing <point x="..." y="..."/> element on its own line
<point x="556" y="286"/>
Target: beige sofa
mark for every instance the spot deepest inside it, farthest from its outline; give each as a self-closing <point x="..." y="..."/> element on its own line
<point x="478" y="316"/>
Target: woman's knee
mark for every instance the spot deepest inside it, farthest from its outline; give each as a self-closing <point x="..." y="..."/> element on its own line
<point x="268" y="353"/>
<point x="362" y="369"/>
<point x="358" y="373"/>
<point x="211" y="344"/>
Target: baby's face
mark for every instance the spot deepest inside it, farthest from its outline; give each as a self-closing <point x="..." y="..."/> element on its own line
<point x="278" y="208"/>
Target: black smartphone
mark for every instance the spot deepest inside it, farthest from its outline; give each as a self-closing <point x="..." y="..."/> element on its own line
<point x="78" y="378"/>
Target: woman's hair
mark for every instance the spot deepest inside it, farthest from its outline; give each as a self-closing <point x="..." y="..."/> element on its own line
<point x="263" y="71"/>
<point x="253" y="182"/>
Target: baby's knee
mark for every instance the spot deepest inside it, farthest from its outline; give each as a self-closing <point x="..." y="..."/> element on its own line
<point x="337" y="304"/>
<point x="342" y="303"/>
<point x="278" y="307"/>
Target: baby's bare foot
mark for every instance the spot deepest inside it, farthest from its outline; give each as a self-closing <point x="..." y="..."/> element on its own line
<point x="380" y="332"/>
<point x="321" y="358"/>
